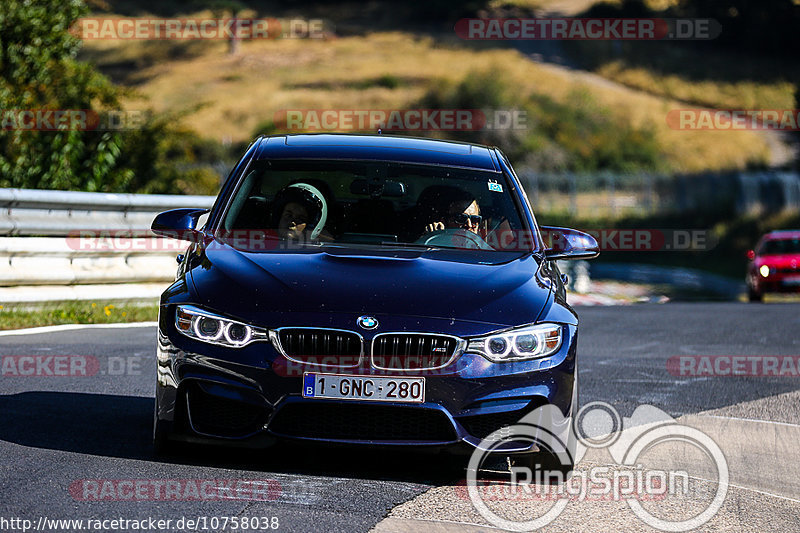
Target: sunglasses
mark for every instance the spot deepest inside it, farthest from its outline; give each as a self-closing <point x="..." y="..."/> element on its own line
<point x="463" y="219"/>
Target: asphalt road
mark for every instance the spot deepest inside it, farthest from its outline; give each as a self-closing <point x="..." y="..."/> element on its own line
<point x="59" y="431"/>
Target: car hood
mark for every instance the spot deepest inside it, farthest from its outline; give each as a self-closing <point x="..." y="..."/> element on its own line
<point x="248" y="285"/>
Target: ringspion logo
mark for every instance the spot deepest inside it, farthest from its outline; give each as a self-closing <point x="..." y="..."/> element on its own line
<point x="629" y="442"/>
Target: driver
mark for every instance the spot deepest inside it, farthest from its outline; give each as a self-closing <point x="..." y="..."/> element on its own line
<point x="301" y="212"/>
<point x="456" y="209"/>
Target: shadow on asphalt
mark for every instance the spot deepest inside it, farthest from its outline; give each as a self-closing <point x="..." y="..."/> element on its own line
<point x="121" y="426"/>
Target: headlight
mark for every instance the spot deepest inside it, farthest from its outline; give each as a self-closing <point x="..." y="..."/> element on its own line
<point x="764" y="270"/>
<point x="215" y="329"/>
<point x="527" y="342"/>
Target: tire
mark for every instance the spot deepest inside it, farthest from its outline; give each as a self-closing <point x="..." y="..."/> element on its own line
<point x="162" y="445"/>
<point x="544" y="462"/>
<point x="754" y="296"/>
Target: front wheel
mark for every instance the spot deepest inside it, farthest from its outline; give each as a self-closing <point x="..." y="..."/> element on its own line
<point x="755" y="296"/>
<point x="162" y="445"/>
<point x="548" y="465"/>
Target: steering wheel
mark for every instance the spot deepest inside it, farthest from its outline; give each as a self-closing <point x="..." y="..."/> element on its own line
<point x="454" y="238"/>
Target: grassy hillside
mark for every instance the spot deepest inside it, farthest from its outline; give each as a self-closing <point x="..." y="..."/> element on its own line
<point x="748" y="66"/>
<point x="230" y="95"/>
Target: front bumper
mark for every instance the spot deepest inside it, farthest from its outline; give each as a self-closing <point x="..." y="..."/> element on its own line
<point x="778" y="283"/>
<point x="252" y="395"/>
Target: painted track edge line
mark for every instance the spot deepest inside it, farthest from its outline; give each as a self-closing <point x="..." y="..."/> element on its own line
<point x="70" y="327"/>
<point x="740" y="419"/>
<point x="438" y="521"/>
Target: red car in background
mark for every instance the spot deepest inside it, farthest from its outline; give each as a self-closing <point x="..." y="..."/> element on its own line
<point x="774" y="264"/>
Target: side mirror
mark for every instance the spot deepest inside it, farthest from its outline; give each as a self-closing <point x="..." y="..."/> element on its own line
<point x="565" y="243"/>
<point x="751" y="254"/>
<point x="178" y="224"/>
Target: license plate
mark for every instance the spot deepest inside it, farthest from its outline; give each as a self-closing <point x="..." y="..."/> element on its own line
<point x="791" y="280"/>
<point x="372" y="388"/>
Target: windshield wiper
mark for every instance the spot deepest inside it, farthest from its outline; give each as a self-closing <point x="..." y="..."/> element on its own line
<point x="382" y="245"/>
<point x="415" y="245"/>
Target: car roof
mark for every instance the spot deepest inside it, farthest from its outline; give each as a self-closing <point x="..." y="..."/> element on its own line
<point x="378" y="148"/>
<point x="782" y="234"/>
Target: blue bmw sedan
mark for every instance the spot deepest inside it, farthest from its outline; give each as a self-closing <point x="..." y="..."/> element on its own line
<point x="364" y="289"/>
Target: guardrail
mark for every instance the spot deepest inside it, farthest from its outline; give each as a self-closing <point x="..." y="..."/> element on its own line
<point x="60" y="261"/>
<point x="26" y="212"/>
<point x="684" y="278"/>
<point x="43" y="258"/>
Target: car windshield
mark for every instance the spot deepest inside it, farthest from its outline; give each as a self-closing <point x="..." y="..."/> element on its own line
<point x="780" y="247"/>
<point x="380" y="204"/>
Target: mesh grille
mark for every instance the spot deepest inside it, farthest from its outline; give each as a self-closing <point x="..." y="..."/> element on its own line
<point x="321" y="346"/>
<point x="404" y="351"/>
<point x="362" y="422"/>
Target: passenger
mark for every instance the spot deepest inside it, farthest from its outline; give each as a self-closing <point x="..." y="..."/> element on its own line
<point x="301" y="212"/>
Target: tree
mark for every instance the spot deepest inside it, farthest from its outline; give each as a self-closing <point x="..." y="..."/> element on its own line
<point x="38" y="71"/>
<point x="225" y="8"/>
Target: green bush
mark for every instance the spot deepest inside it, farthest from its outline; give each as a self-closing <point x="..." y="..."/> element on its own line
<point x="163" y="158"/>
<point x="39" y="70"/>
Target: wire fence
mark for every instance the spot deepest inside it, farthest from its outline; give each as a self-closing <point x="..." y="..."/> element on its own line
<point x="614" y="195"/>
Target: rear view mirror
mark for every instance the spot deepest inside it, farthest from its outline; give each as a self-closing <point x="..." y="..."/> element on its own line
<point x="565" y="243"/>
<point x="378" y="188"/>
